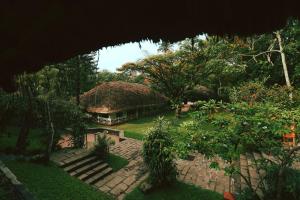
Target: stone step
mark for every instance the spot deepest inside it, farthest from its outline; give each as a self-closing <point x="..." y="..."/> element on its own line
<point x="85" y="168"/>
<point x="96" y="169"/>
<point x="76" y="158"/>
<point x="98" y="176"/>
<point x="80" y="163"/>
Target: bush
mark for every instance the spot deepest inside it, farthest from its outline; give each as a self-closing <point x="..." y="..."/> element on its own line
<point x="102" y="146"/>
<point x="158" y="156"/>
<point x="290" y="183"/>
<point x="249" y="92"/>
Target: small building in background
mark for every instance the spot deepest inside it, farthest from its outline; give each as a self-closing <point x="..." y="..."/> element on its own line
<point x="116" y="102"/>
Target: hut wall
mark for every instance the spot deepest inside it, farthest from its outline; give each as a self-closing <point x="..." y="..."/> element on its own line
<point x="118" y="118"/>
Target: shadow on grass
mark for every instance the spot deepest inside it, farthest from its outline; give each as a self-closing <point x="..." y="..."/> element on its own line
<point x="177" y="191"/>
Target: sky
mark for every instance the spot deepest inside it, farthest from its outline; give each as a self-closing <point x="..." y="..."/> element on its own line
<point x="112" y="58"/>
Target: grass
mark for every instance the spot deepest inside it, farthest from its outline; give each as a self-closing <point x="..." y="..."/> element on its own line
<point x="134" y="135"/>
<point x="8" y="140"/>
<point x="116" y="162"/>
<point x="6" y="191"/>
<point x="52" y="183"/>
<point x="137" y="128"/>
<point x="179" y="191"/>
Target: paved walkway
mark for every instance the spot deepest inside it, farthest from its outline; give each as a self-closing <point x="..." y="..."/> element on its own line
<point x="199" y="173"/>
<point x="126" y="179"/>
<point x="194" y="171"/>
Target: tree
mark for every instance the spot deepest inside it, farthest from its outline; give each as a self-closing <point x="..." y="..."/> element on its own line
<point x="171" y="73"/>
<point x="223" y="67"/>
<point x="272" y="50"/>
<point x="7" y="109"/>
<point x="75" y="76"/>
<point x="55" y="112"/>
<point x="165" y="46"/>
<point x="256" y="128"/>
<point x="27" y="91"/>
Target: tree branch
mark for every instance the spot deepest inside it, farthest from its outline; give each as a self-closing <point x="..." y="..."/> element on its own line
<point x="261" y="53"/>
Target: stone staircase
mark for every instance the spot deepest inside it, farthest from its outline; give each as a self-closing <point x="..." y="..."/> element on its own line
<point x="84" y="166"/>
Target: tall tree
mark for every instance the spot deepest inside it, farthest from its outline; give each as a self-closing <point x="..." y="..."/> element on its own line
<point x="171" y="73"/>
<point x="76" y="75"/>
<point x="27" y="91"/>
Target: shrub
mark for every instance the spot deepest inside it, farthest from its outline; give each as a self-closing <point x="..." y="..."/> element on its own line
<point x="249" y="92"/>
<point x="290" y="183"/>
<point x="158" y="156"/>
<point x="102" y="146"/>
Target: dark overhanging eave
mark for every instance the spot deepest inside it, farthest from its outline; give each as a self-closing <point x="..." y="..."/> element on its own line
<point x="44" y="32"/>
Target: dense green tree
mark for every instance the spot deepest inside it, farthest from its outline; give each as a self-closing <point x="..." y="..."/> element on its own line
<point x="171" y="73"/>
<point x="27" y="92"/>
<point x="75" y="76"/>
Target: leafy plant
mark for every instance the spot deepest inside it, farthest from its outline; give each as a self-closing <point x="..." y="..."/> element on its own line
<point x="102" y="146"/>
<point x="252" y="128"/>
<point x="158" y="155"/>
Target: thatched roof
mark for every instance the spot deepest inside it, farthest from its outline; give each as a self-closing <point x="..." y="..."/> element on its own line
<point x="116" y="96"/>
<point x="35" y="33"/>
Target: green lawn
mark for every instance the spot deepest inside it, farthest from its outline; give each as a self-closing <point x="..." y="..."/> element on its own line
<point x="52" y="183"/>
<point x="137" y="128"/>
<point x="116" y="162"/>
<point x="179" y="191"/>
<point x="8" y="140"/>
<point x="6" y="191"/>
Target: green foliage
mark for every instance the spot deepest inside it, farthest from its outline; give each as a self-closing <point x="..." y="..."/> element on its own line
<point x="102" y="146"/>
<point x="251" y="128"/>
<point x="256" y="91"/>
<point x="7" y="105"/>
<point x="106" y="76"/>
<point x="250" y="92"/>
<point x="35" y="143"/>
<point x="65" y="114"/>
<point x="67" y="76"/>
<point x="290" y="183"/>
<point x="158" y="155"/>
<point x="171" y="73"/>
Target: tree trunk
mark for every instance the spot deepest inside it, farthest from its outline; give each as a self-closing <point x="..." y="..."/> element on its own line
<point x="283" y="60"/>
<point x="51" y="133"/>
<point x="24" y="132"/>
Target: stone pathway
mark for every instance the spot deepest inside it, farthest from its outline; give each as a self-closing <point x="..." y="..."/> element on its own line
<point x="196" y="171"/>
<point x="126" y="179"/>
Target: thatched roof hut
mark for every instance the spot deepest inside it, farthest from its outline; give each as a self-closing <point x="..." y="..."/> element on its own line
<point x="115" y="96"/>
